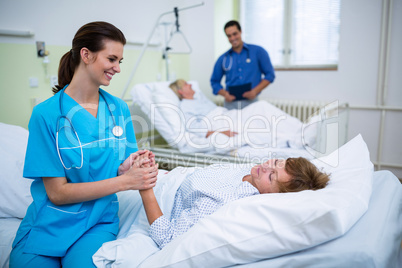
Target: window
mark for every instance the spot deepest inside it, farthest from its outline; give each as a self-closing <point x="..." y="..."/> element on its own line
<point x="296" y="33"/>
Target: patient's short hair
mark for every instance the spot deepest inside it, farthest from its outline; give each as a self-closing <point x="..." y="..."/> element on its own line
<point x="176" y="86"/>
<point x="305" y="176"/>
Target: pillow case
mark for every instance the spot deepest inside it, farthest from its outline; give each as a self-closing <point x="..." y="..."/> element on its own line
<point x="270" y="225"/>
<point x="166" y="114"/>
<point x="15" y="195"/>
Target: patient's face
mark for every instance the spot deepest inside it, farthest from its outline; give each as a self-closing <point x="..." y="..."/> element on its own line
<point x="187" y="91"/>
<point x="265" y="177"/>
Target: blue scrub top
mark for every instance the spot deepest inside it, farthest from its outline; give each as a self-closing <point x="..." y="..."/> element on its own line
<point x="239" y="71"/>
<point x="53" y="229"/>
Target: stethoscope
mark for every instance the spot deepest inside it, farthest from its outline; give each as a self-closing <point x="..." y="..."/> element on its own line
<point x="248" y="60"/>
<point x="117" y="130"/>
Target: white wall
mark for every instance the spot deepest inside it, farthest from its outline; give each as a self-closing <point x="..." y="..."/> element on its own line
<point x="57" y="21"/>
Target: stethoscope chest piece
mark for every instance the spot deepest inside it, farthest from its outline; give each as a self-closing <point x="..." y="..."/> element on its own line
<point x="117" y="131"/>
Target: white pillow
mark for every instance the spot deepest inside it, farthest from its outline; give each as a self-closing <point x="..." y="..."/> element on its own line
<point x="171" y="119"/>
<point x="166" y="115"/>
<point x="15" y="195"/>
<point x="162" y="93"/>
<point x="270" y="225"/>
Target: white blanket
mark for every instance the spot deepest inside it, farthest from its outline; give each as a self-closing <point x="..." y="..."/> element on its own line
<point x="161" y="106"/>
<point x="249" y="229"/>
<point x="134" y="245"/>
<point x="259" y="125"/>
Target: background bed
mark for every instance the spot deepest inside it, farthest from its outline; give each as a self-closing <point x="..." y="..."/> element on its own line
<point x="330" y="129"/>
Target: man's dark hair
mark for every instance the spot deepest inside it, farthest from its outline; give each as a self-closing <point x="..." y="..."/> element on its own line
<point x="232" y="23"/>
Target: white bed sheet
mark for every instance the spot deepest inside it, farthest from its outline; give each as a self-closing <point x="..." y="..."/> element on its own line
<point x="8" y="229"/>
<point x="281" y="224"/>
<point x="381" y="248"/>
<point x="356" y="248"/>
<point x="261" y="154"/>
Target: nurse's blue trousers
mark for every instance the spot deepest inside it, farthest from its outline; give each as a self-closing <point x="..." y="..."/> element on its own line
<point x="78" y="255"/>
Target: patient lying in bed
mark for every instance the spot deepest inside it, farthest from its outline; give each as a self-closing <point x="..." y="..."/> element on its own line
<point x="208" y="189"/>
<point x="259" y="125"/>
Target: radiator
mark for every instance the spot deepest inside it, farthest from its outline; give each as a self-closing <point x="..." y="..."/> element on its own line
<point x="301" y="109"/>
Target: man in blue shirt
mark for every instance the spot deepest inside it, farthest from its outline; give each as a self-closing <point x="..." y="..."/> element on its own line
<point x="243" y="66"/>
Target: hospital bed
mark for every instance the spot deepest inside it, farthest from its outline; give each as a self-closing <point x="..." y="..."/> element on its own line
<point x="159" y="125"/>
<point x="356" y="221"/>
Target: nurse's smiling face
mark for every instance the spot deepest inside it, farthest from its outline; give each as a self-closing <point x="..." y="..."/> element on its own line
<point x="265" y="177"/>
<point x="105" y="63"/>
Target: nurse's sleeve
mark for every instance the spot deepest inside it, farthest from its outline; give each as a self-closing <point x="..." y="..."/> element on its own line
<point x="41" y="158"/>
<point x="132" y="145"/>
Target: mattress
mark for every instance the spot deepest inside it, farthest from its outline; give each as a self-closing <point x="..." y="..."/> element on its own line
<point x="8" y="229"/>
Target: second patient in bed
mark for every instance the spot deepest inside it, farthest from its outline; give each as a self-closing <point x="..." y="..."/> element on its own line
<point x="208" y="189"/>
<point x="259" y="124"/>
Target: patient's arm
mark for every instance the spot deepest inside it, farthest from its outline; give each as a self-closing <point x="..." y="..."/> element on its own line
<point x="151" y="205"/>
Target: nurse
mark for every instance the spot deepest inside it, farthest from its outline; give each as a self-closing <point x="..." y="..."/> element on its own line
<point x="81" y="151"/>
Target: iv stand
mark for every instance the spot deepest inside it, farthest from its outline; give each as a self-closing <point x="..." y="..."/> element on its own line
<point x="144" y="47"/>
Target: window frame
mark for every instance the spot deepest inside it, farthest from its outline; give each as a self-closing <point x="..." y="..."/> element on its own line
<point x="287" y="43"/>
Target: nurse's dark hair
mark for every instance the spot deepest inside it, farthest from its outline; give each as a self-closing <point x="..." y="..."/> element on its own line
<point x="232" y="23"/>
<point x="305" y="176"/>
<point x="91" y="36"/>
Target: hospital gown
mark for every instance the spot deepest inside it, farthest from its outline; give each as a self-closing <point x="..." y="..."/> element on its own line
<point x="201" y="194"/>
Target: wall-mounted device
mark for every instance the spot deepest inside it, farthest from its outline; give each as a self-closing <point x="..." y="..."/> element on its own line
<point x="40" y="49"/>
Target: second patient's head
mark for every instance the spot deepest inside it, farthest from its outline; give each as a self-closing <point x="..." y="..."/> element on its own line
<point x="182" y="89"/>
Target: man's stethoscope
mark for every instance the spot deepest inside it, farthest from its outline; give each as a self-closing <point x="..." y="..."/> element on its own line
<point x="248" y="60"/>
<point x="117" y="130"/>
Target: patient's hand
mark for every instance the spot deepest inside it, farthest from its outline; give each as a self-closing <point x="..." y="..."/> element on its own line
<point x="139" y="158"/>
<point x="229" y="133"/>
<point x="146" y="159"/>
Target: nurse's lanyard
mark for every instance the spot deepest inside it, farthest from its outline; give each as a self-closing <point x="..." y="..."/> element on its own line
<point x="226" y="69"/>
<point x="117" y="130"/>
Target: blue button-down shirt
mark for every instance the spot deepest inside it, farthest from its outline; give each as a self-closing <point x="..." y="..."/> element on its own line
<point x="201" y="194"/>
<point x="239" y="70"/>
